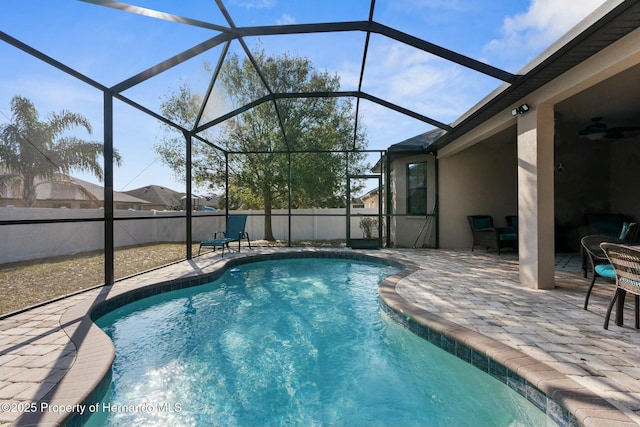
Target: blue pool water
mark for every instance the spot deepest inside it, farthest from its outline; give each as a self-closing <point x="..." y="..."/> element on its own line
<point x="297" y="342"/>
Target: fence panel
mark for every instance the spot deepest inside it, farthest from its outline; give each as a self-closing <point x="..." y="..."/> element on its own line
<point x="23" y="242"/>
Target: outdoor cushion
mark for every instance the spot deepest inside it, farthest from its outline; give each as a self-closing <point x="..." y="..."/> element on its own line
<point x="482" y="223"/>
<point x="605" y="270"/>
<point x="508" y="236"/>
<point x="623" y="233"/>
<point x="607" y="224"/>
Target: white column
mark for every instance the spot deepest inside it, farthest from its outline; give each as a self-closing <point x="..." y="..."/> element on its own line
<point x="536" y="197"/>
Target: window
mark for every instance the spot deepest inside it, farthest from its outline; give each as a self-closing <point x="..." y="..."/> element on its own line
<point x="417" y="188"/>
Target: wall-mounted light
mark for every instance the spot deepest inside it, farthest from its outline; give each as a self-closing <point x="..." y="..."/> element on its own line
<point x="520" y="110"/>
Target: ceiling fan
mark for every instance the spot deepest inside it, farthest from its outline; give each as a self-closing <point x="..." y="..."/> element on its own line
<point x="598" y="130"/>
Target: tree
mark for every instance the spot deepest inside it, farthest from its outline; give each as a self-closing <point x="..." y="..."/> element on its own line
<point x="319" y="133"/>
<point x="31" y="149"/>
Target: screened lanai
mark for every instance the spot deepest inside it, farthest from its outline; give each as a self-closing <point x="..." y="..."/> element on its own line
<point x="296" y="152"/>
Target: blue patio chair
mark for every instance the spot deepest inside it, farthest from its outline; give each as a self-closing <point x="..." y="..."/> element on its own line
<point x="234" y="233"/>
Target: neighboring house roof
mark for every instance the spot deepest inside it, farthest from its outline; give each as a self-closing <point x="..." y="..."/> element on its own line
<point x="158" y="195"/>
<point x="70" y="188"/>
<point x="371" y="193"/>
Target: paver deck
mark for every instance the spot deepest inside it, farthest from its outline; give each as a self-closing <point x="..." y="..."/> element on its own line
<point x="52" y="357"/>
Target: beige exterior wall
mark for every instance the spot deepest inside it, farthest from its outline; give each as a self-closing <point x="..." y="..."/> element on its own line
<point x="481" y="180"/>
<point x="405" y="229"/>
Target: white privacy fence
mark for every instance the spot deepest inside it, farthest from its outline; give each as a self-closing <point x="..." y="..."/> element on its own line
<point x="22" y="242"/>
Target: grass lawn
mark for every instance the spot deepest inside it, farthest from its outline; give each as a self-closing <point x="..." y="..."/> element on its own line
<point x="23" y="284"/>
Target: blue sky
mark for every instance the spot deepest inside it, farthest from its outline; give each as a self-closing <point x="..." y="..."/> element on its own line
<point x="110" y="46"/>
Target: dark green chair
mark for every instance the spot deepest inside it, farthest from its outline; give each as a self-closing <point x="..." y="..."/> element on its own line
<point x="485" y="235"/>
<point x="234" y="233"/>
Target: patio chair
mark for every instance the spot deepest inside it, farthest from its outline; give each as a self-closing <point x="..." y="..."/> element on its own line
<point x="627" y="234"/>
<point x="625" y="261"/>
<point x="487" y="236"/>
<point x="608" y="224"/>
<point x="234" y="233"/>
<point x="597" y="261"/>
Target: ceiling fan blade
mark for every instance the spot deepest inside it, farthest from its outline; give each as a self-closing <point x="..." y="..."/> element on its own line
<point x="626" y="128"/>
<point x="614" y="134"/>
<point x="596" y="126"/>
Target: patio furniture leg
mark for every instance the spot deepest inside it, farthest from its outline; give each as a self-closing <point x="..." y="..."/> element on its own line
<point x="608" y="315"/>
<point x="620" y="308"/>
<point x="586" y="299"/>
<point x="637" y="297"/>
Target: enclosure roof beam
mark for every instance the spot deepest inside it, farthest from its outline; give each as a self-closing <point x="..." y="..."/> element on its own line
<point x="209" y="143"/>
<point x="172" y="62"/>
<point x="375" y="27"/>
<point x="256" y="66"/>
<point x="339" y="94"/>
<point x="212" y="83"/>
<point x="227" y="34"/>
<point x="49" y="60"/>
<point x="125" y="7"/>
<point x="362" y="67"/>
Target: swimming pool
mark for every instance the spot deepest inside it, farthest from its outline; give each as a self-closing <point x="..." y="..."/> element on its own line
<point x="298" y="341"/>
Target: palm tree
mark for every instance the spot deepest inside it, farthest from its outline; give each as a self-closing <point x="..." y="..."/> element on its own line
<point x="31" y="149"/>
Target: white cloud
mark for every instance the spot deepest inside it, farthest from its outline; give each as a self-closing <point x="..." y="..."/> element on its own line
<point x="546" y="21"/>
<point x="417" y="81"/>
<point x="254" y="4"/>
<point x="286" y="19"/>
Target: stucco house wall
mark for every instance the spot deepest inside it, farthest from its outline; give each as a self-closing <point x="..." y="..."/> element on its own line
<point x="405" y="229"/>
<point x="481" y="180"/>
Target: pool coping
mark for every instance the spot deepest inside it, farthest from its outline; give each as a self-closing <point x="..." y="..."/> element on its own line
<point x="564" y="400"/>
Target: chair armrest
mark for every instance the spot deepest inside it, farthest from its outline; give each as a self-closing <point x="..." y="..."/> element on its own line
<point x="215" y="235"/>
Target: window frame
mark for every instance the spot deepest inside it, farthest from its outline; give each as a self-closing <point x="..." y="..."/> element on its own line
<point x="416" y="192"/>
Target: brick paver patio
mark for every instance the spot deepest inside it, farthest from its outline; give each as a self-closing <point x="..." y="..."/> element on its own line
<point x="52" y="357"/>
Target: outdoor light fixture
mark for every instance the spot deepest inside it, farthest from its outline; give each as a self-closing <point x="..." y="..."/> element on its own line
<point x="520" y="110"/>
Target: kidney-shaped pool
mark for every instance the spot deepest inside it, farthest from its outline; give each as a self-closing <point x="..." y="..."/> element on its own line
<point x="291" y="342"/>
